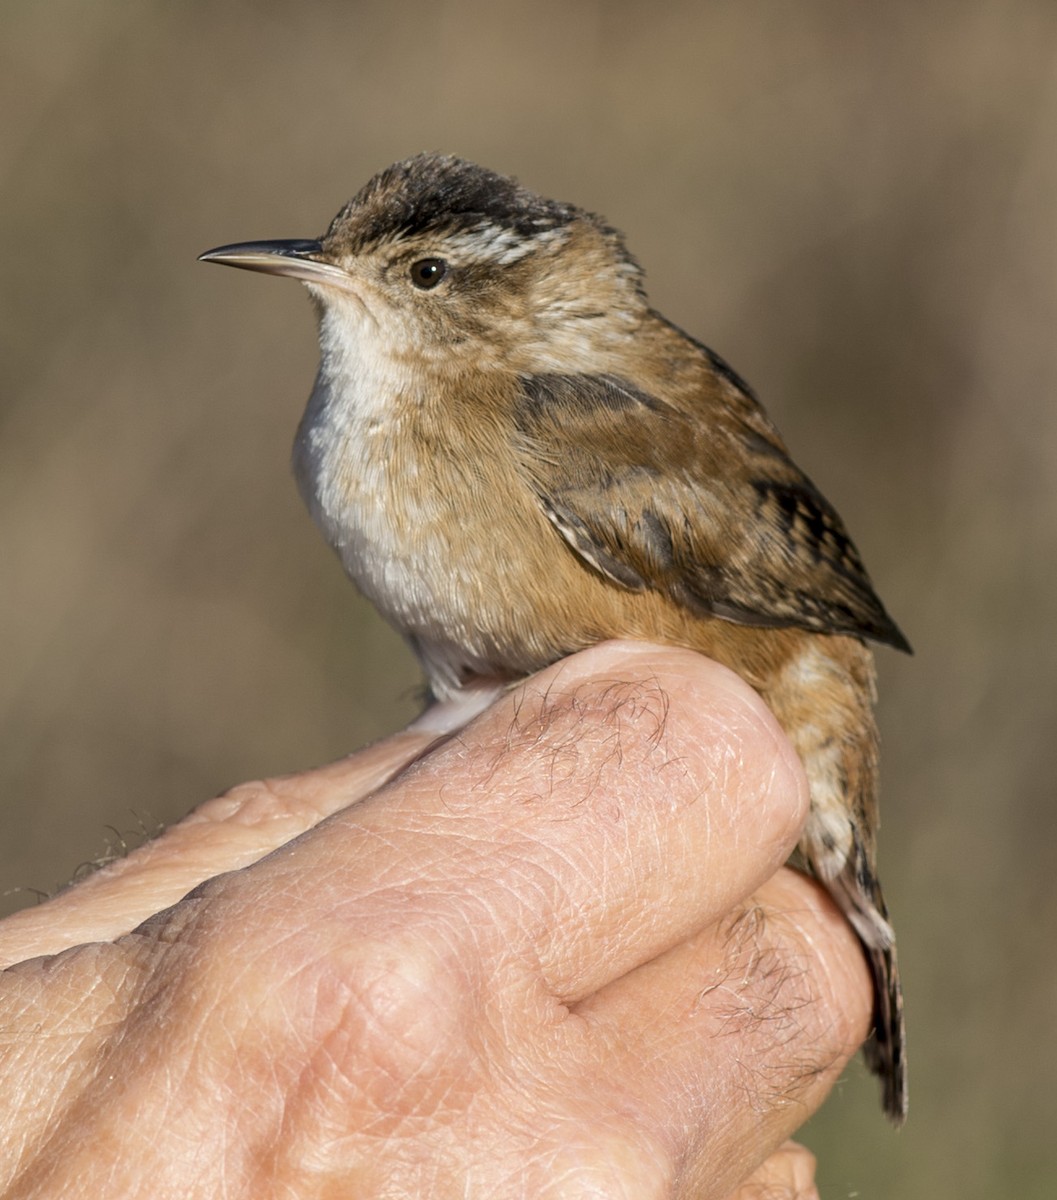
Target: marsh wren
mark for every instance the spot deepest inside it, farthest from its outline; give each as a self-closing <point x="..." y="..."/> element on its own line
<point x="515" y="456"/>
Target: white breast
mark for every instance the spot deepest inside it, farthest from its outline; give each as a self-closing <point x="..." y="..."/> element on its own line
<point x="343" y="453"/>
<point x="358" y="460"/>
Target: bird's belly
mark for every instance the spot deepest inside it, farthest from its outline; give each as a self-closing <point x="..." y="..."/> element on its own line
<point x="460" y="583"/>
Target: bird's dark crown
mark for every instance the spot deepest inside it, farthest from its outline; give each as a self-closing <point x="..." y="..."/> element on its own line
<point x="439" y="194"/>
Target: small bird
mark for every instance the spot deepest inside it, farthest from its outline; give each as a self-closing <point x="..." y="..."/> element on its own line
<point x="516" y="457"/>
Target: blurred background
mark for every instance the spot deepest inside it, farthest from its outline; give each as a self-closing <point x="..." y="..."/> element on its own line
<point x="854" y="204"/>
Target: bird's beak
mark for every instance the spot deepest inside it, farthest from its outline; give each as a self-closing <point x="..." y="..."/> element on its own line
<point x="299" y="259"/>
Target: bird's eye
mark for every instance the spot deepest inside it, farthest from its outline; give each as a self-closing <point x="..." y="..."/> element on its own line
<point x="428" y="272"/>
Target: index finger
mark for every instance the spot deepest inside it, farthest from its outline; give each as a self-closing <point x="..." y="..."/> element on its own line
<point x="599" y="814"/>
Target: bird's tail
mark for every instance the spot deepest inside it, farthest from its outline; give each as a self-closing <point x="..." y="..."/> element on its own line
<point x="824" y="701"/>
<point x="858" y="893"/>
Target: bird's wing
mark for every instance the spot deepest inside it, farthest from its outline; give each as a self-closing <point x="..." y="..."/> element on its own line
<point x="712" y="513"/>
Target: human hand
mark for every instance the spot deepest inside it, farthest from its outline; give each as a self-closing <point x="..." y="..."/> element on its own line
<point x="558" y="956"/>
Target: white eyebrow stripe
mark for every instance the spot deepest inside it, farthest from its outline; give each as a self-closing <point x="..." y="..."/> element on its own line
<point x="493" y="243"/>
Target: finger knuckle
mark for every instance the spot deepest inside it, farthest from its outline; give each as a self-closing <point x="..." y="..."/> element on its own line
<point x="347" y="1026"/>
<point x="774" y="995"/>
<point x="389" y="1018"/>
<point x="577" y="743"/>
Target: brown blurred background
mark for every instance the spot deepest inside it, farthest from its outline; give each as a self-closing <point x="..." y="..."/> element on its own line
<point x="854" y="203"/>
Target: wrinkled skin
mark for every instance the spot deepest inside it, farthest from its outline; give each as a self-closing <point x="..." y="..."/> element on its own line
<point x="558" y="956"/>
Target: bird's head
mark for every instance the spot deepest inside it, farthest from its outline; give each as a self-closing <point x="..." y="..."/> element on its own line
<point x="437" y="257"/>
